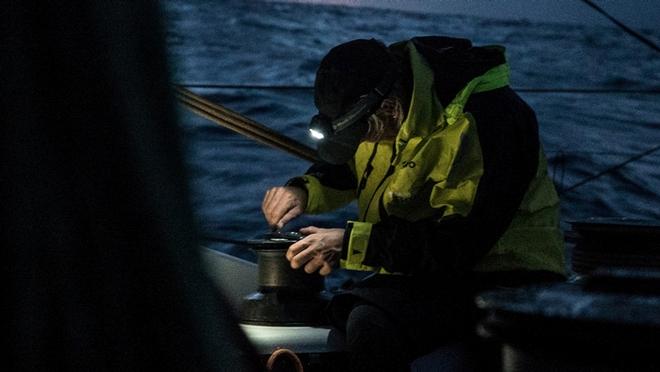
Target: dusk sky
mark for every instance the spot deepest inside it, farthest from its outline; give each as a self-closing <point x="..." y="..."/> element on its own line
<point x="637" y="14"/>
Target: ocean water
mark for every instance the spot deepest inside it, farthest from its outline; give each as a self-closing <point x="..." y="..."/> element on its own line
<point x="281" y="44"/>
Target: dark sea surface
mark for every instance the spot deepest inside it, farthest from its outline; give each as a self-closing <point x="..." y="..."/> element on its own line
<point x="281" y="44"/>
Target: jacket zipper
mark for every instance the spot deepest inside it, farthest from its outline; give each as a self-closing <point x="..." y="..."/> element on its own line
<point x="367" y="171"/>
<point x="389" y="172"/>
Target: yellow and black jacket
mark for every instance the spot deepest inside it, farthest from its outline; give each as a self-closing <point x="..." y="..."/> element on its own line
<point x="464" y="185"/>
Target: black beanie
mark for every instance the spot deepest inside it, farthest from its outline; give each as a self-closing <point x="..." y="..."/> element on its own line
<point x="348" y="71"/>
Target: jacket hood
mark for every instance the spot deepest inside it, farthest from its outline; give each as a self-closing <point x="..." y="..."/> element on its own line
<point x="445" y="71"/>
<point x="455" y="62"/>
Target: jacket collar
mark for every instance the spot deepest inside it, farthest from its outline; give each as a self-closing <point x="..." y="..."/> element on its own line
<point x="426" y="112"/>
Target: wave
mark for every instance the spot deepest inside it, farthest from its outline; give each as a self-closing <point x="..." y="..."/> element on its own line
<point x="265" y="43"/>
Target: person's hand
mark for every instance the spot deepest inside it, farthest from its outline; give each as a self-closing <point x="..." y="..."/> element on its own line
<point x="318" y="250"/>
<point x="282" y="204"/>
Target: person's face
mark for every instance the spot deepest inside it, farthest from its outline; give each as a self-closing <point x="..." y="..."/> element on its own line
<point x="384" y="124"/>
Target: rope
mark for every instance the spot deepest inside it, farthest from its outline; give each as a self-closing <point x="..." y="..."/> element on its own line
<point x="625" y="28"/>
<point x="610" y="169"/>
<point x="240" y="124"/>
<point x="558" y="171"/>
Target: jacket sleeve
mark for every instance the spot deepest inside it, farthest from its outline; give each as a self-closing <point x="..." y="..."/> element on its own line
<point x="394" y="245"/>
<point x="328" y="186"/>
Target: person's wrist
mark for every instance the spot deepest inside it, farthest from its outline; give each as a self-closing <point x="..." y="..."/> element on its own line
<point x="299" y="183"/>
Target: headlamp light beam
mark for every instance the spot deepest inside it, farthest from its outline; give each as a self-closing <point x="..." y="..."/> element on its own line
<point x="316" y="134"/>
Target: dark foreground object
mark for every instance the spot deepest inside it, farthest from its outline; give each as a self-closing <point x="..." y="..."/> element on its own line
<point x="583" y="326"/>
<point x="615" y="243"/>
<point x="102" y="263"/>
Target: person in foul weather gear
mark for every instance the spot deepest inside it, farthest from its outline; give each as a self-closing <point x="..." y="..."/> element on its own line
<point x="451" y="183"/>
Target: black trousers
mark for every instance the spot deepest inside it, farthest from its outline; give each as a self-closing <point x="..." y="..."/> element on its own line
<point x="388" y="321"/>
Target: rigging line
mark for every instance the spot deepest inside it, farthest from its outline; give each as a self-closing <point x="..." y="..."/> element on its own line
<point x="526" y="90"/>
<point x="627" y="29"/>
<point x="243" y="125"/>
<point x="610" y="169"/>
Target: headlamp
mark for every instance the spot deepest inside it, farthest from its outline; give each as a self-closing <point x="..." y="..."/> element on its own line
<point x="318" y="135"/>
<point x="321" y="127"/>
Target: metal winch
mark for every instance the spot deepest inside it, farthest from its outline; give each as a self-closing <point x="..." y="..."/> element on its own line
<point x="285" y="296"/>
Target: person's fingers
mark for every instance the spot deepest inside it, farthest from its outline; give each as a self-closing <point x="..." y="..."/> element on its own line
<point x="326" y="268"/>
<point x="266" y="200"/>
<point x="296" y="248"/>
<point x="330" y="259"/>
<point x="314" y="264"/>
<point x="267" y="206"/>
<point x="317" y="251"/>
<point x="309" y="230"/>
<point x="288" y="216"/>
<point x="277" y="203"/>
<point x="306" y="255"/>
